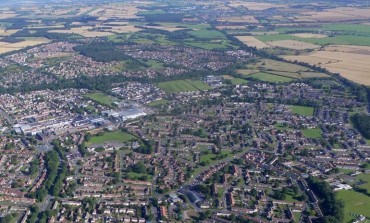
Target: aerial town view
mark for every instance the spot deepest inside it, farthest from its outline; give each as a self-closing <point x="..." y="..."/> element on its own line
<point x="214" y="111"/>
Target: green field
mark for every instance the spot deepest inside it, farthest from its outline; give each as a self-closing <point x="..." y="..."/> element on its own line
<point x="207" y="45"/>
<point x="207" y="34"/>
<point x="212" y="157"/>
<point x="236" y="81"/>
<point x="183" y="86"/>
<point x="158" y="103"/>
<point x="101" y="98"/>
<point x="364" y="177"/>
<point x="312" y="133"/>
<point x="270" y="77"/>
<point x="137" y="176"/>
<point x="117" y="137"/>
<point x="354" y="203"/>
<point x="302" y="110"/>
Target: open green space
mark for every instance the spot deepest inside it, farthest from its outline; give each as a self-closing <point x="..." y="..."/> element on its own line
<point x="302" y="110"/>
<point x="158" y="103"/>
<point x="366" y="178"/>
<point x="354" y="204"/>
<point x="101" y="98"/>
<point x="270" y="77"/>
<point x="312" y="133"/>
<point x="207" y="34"/>
<point x="114" y="137"/>
<point x="209" y="158"/>
<point x="138" y="176"/>
<point x="183" y="86"/>
<point x="236" y="81"/>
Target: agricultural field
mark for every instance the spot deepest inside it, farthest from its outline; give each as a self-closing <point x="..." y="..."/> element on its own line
<point x="354" y="204"/>
<point x="293" y="44"/>
<point x="111" y="137"/>
<point x="183" y="86"/>
<point x="302" y="110"/>
<point x="349" y="61"/>
<point x="6" y="47"/>
<point x="207" y="34"/>
<point x="253" y="42"/>
<point x="278" y="68"/>
<point x="101" y="98"/>
<point x="85" y="31"/>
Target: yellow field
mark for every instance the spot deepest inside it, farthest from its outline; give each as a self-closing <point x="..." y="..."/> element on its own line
<point x="309" y="35"/>
<point x="253" y="42"/>
<point x="8" y="47"/>
<point x="247" y="19"/>
<point x="293" y="44"/>
<point x="338" y="14"/>
<point x="4" y="32"/>
<point x="257" y="6"/>
<point x="230" y="27"/>
<point x="349" y="61"/>
<point x="83" y="31"/>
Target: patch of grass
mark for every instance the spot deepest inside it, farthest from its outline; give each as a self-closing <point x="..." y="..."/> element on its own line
<point x="101" y="98"/>
<point x="179" y="86"/>
<point x="312" y="133"/>
<point x="138" y="176"/>
<point x="209" y="158"/>
<point x="236" y="81"/>
<point x="282" y="127"/>
<point x="200" y="85"/>
<point x="354" y="203"/>
<point x="158" y="103"/>
<point x="270" y="77"/>
<point x="364" y="177"/>
<point x="117" y="137"/>
<point x="302" y="110"/>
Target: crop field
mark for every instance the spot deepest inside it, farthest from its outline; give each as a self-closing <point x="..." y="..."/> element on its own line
<point x="293" y="44"/>
<point x="270" y="77"/>
<point x="337" y="14"/>
<point x="8" y="47"/>
<point x="312" y="133"/>
<point x="183" y="86"/>
<point x="350" y="62"/>
<point x="101" y="98"/>
<point x="309" y="35"/>
<point x="244" y="19"/>
<point x="85" y="31"/>
<point x="111" y="137"/>
<point x="207" y="34"/>
<point x="302" y="110"/>
<point x="8" y="32"/>
<point x="256" y="6"/>
<point x="253" y="42"/>
<point x="354" y="204"/>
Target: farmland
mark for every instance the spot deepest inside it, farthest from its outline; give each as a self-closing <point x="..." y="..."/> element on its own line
<point x="8" y="47"/>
